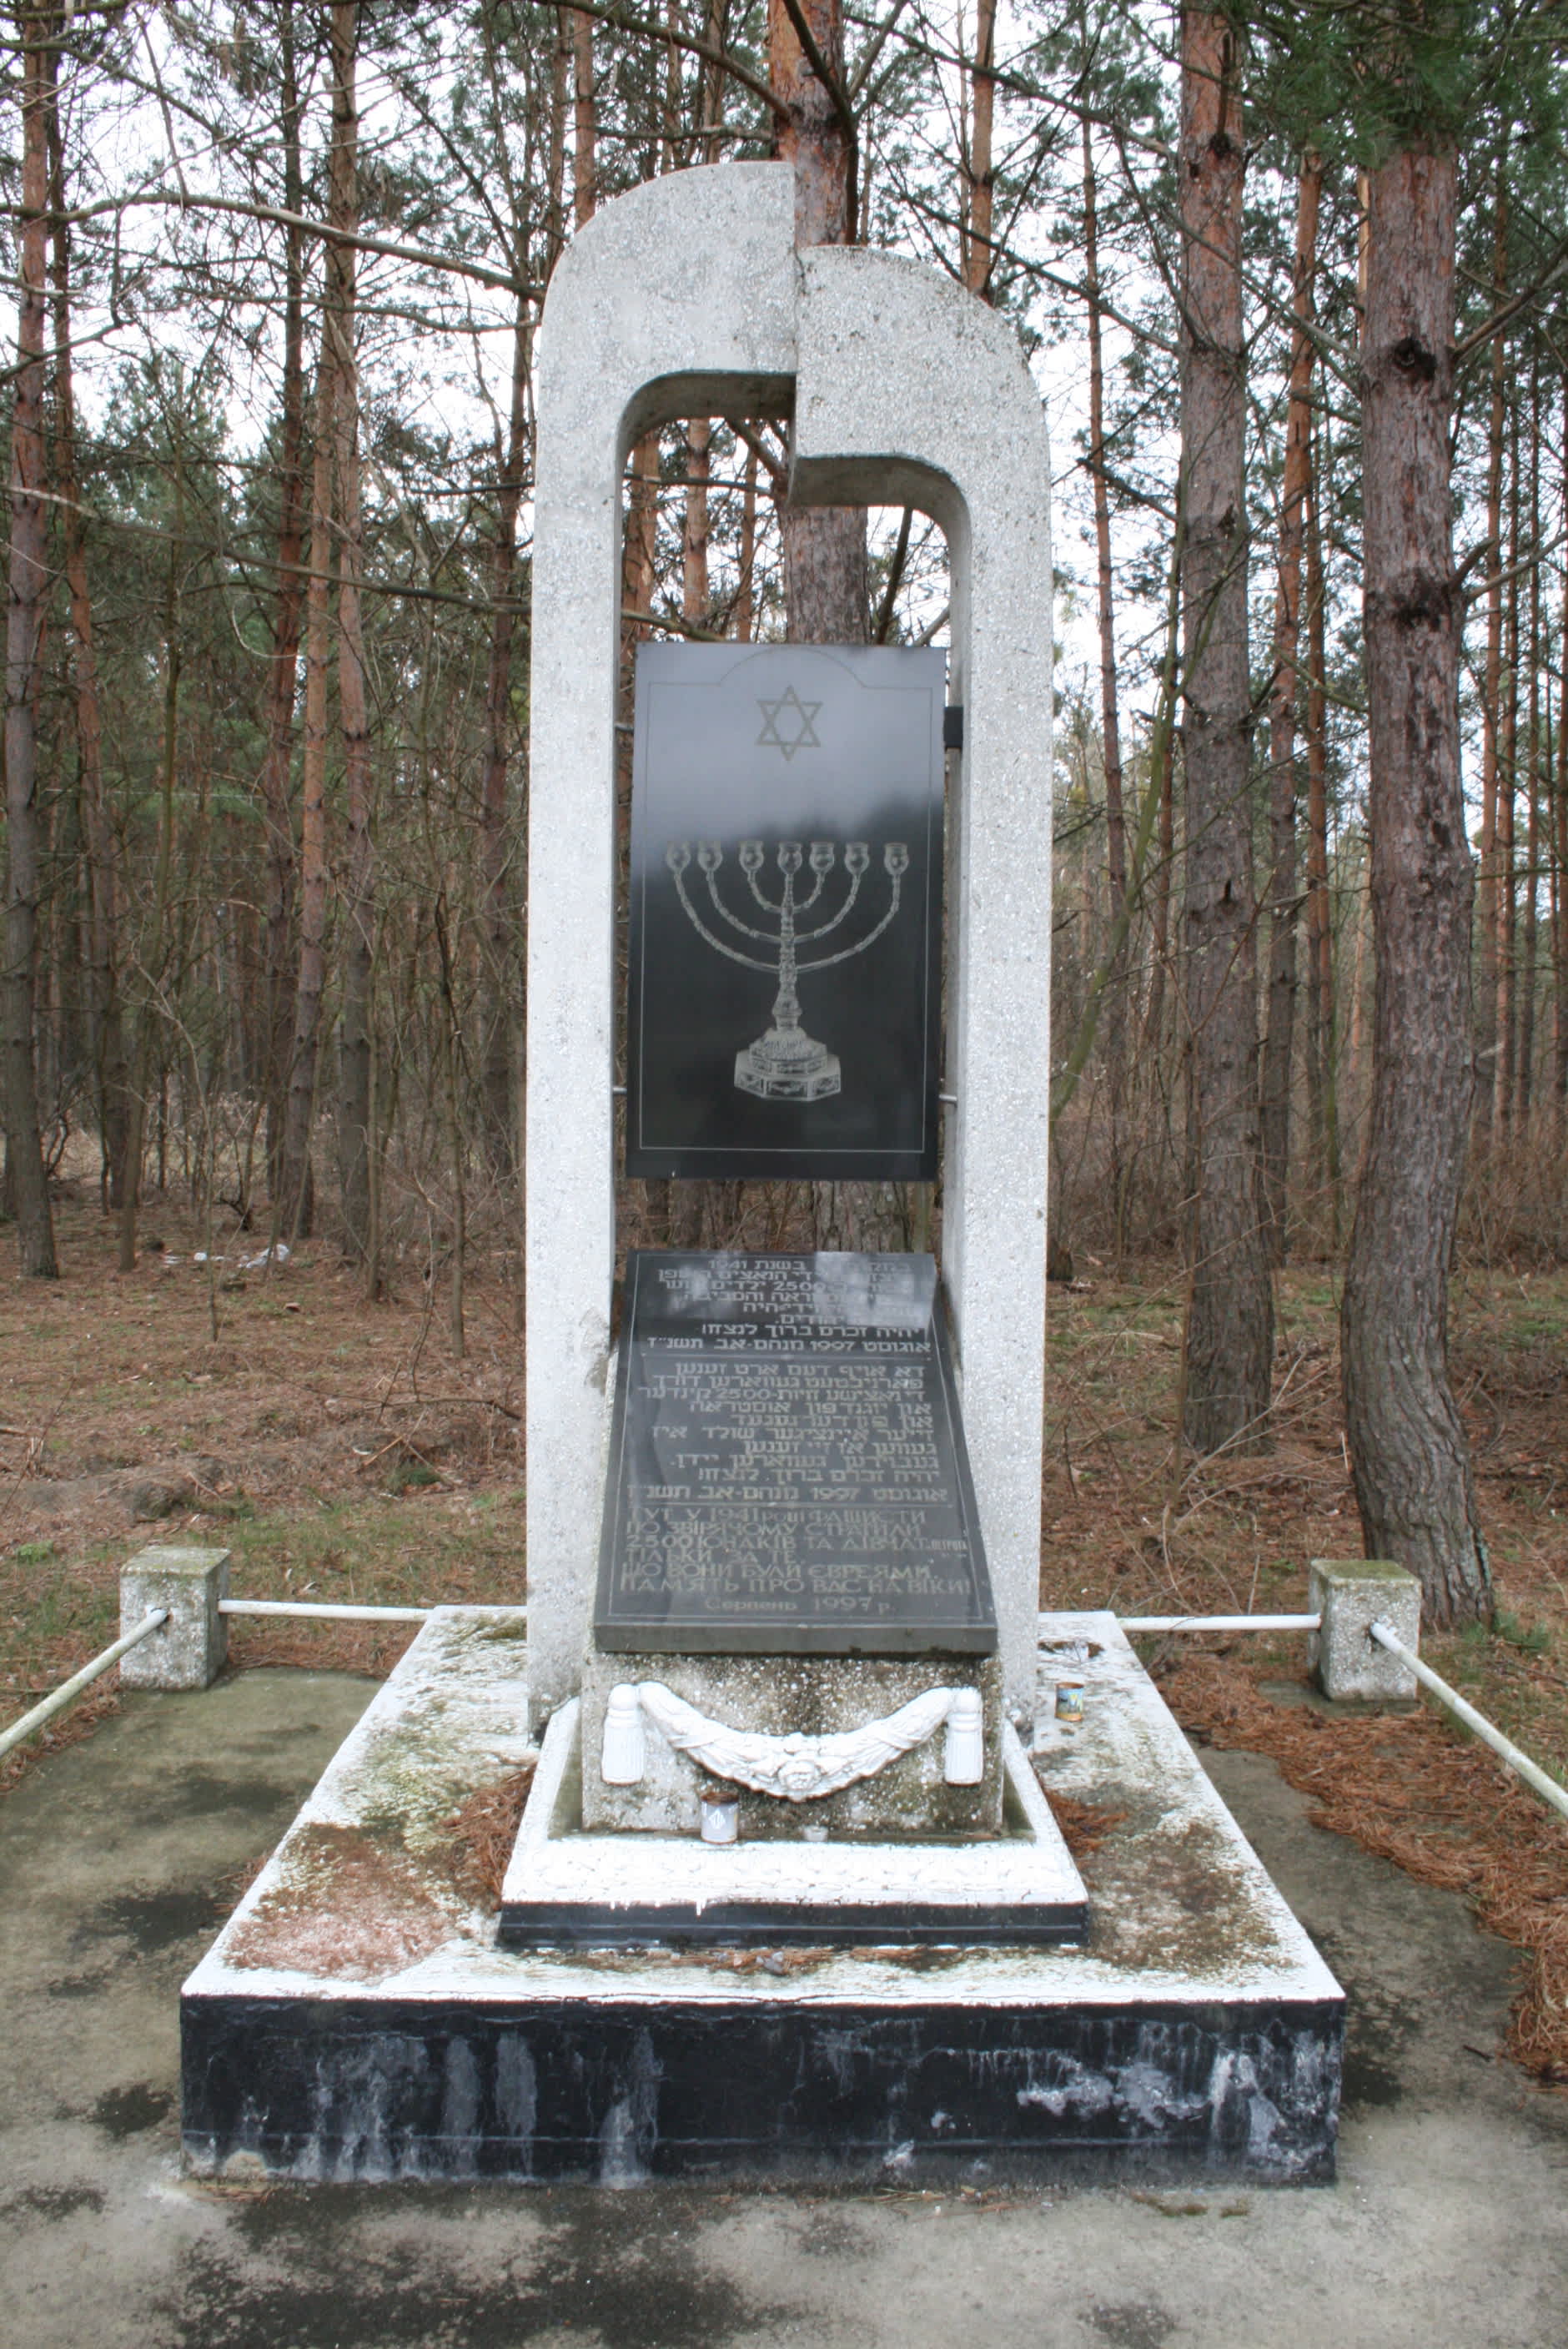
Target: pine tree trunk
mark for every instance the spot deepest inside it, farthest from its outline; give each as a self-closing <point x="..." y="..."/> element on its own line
<point x="745" y="618"/>
<point x="503" y="963"/>
<point x="27" y="583"/>
<point x="978" y="255"/>
<point x="1229" y="1350"/>
<point x="1323" y="1064"/>
<point x="105" y="1014"/>
<point x="1491" y="695"/>
<point x="1285" y="897"/>
<point x="283" y="675"/>
<point x="294" y="1207"/>
<point x="584" y="123"/>
<point x="825" y="577"/>
<point x="1507" y="810"/>
<point x="1109" y="713"/>
<point x="1560" y="861"/>
<point x="355" y="1108"/>
<point x="1408" y="1452"/>
<point x="155" y="955"/>
<point x="1525" y="1071"/>
<point x="694" y="546"/>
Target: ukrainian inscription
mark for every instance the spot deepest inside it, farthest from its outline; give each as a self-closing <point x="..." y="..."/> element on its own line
<point x="787" y="1472"/>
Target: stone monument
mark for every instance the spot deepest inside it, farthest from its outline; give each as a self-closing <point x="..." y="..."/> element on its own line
<point x="688" y="296"/>
<point x="788" y="1899"/>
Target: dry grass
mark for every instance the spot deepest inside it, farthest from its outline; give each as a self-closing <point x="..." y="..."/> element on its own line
<point x="1132" y="1526"/>
<point x="344" y="1452"/>
<point x="340" y="1449"/>
<point x="1084" y="1825"/>
<point x="1407" y="1787"/>
<point x="482" y="1832"/>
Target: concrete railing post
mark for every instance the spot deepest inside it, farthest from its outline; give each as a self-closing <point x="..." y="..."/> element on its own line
<point x="188" y="1649"/>
<point x="1351" y="1595"/>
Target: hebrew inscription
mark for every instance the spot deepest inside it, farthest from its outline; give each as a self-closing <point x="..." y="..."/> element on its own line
<point x="788" y="1473"/>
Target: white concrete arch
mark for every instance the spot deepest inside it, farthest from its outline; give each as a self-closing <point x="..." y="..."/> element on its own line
<point x="686" y="298"/>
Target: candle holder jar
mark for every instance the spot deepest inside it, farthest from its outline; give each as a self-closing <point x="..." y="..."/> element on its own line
<point x="720" y="1810"/>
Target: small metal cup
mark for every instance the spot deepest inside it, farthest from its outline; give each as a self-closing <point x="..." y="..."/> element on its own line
<point x="720" y="1814"/>
<point x="1069" y="1703"/>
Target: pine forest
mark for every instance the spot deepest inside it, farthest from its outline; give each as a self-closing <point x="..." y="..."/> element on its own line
<point x="1293" y="285"/>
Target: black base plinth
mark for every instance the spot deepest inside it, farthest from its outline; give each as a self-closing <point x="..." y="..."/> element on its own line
<point x="546" y="1925"/>
<point x="375" y="2090"/>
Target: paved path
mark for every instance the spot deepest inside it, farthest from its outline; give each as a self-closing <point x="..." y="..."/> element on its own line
<point x="1449" y="2223"/>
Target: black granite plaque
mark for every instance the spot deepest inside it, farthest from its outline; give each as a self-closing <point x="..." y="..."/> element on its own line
<point x="786" y="912"/>
<point x="787" y="1473"/>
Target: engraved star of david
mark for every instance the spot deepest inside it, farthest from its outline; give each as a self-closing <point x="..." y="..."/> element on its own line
<point x="791" y="711"/>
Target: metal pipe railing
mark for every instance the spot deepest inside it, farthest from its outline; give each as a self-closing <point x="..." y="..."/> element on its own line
<point x="1220" y="1622"/>
<point x="61" y="1697"/>
<point x="1519" y="1762"/>
<point x="332" y="1614"/>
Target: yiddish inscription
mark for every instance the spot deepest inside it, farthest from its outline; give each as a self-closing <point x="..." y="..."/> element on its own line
<point x="788" y="1471"/>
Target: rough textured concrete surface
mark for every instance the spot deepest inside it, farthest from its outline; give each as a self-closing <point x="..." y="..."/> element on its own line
<point x="1351" y="1595"/>
<point x="189" y="1649"/>
<point x="118" y="1858"/>
<point x="686" y="297"/>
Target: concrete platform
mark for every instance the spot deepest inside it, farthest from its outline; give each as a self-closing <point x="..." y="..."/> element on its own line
<point x="1449" y="2221"/>
<point x="357" y="2019"/>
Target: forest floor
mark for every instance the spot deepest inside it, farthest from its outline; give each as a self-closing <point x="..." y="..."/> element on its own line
<point x="345" y="1451"/>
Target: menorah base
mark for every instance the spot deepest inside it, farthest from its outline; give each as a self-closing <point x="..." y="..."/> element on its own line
<point x="790" y="1066"/>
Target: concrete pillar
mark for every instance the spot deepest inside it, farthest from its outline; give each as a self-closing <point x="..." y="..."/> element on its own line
<point x="188" y="1650"/>
<point x="1351" y="1595"/>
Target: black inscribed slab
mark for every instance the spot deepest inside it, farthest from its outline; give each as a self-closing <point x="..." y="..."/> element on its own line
<point x="784" y="961"/>
<point x="787" y="1473"/>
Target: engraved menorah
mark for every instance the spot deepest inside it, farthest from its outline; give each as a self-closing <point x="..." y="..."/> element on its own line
<point x="784" y="1063"/>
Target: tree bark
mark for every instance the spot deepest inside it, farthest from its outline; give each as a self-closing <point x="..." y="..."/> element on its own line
<point x="155" y="945"/>
<point x="693" y="548"/>
<point x="105" y="1013"/>
<point x="294" y="1207"/>
<point x="1559" y="862"/>
<point x="1507" y="810"/>
<point x="1228" y="1355"/>
<point x="1408" y="1452"/>
<point x="1110" y="714"/>
<point x="1322" y="1052"/>
<point x="1491" y="694"/>
<point x="355" y="1109"/>
<point x="504" y="968"/>
<point x="28" y="582"/>
<point x="1284" y="897"/>
<point x="978" y="252"/>
<point x="585" y="124"/>
<point x="1525" y="979"/>
<point x="825" y="577"/>
<point x="283" y="675"/>
<point x="745" y="619"/>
